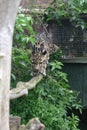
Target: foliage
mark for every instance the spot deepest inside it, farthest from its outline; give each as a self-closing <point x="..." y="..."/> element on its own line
<point x="52" y="98"/>
<point x="23" y="33"/>
<point x="72" y="9"/>
<point x="22" y="39"/>
<point x="50" y="101"/>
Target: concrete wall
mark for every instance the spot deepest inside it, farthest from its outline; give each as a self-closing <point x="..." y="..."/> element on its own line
<point x="40" y="3"/>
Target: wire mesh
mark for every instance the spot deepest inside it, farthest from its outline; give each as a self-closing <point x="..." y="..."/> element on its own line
<point x="71" y="40"/>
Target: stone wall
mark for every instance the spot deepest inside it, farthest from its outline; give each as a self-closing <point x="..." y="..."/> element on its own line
<point x="15" y="123"/>
<point x="39" y="3"/>
<point x="33" y="124"/>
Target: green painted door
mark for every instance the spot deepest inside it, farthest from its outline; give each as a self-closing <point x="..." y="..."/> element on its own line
<point x="77" y="76"/>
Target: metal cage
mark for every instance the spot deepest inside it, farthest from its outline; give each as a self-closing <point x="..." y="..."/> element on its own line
<point x="71" y="40"/>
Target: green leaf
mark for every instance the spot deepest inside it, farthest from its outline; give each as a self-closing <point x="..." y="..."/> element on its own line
<point x="13" y="76"/>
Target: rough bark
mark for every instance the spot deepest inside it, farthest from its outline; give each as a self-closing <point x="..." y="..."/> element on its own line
<point x="23" y="87"/>
<point x="8" y="11"/>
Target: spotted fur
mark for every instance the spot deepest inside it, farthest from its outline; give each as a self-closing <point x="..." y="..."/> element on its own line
<point x="41" y="53"/>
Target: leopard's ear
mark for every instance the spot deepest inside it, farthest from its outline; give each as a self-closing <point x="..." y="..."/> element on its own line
<point x="53" y="48"/>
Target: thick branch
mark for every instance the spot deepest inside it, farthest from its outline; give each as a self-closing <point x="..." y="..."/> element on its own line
<point x="23" y="87"/>
<point x="8" y="11"/>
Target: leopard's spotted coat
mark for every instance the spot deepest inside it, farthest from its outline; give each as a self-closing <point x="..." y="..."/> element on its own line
<point x="41" y="51"/>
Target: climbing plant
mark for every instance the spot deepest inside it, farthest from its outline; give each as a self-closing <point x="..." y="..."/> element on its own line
<point x="71" y="9"/>
<point x="23" y="38"/>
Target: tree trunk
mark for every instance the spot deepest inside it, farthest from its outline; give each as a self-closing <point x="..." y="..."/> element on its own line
<point x="8" y="11"/>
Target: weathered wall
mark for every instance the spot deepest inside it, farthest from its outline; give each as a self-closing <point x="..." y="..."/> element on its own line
<point x="15" y="122"/>
<point x="33" y="124"/>
<point x="41" y="3"/>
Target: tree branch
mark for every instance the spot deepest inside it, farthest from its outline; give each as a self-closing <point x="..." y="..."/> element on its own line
<point x="23" y="87"/>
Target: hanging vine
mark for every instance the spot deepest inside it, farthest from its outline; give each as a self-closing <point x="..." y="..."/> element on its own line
<point x="74" y="10"/>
